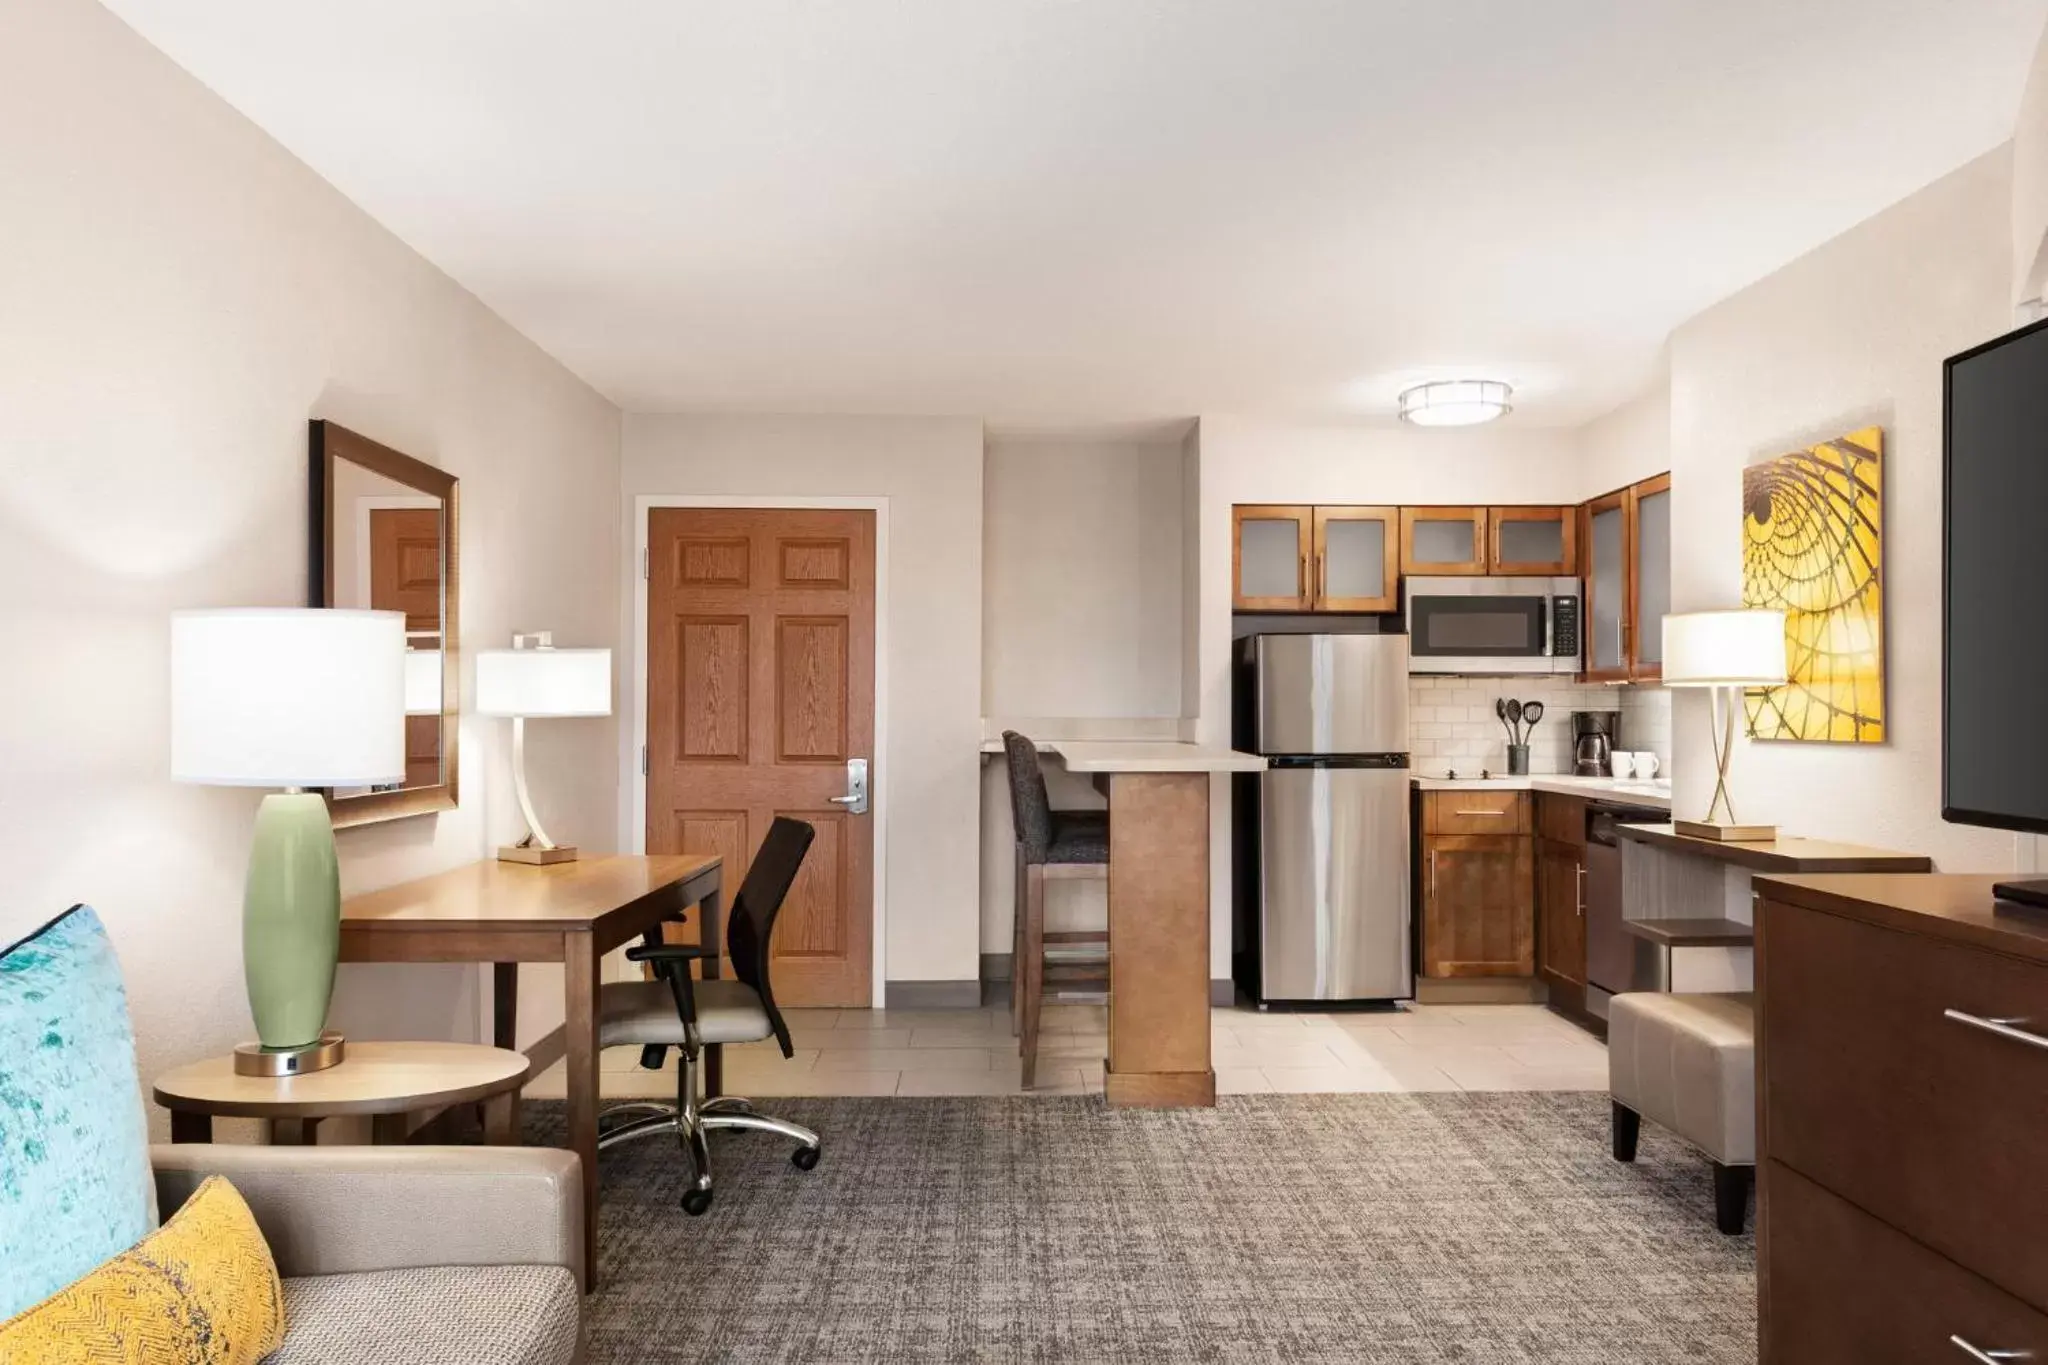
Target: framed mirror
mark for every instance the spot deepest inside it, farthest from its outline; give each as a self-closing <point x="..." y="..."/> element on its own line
<point x="383" y="537"/>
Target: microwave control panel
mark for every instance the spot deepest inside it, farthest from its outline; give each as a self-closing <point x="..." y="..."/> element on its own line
<point x="1564" y="627"/>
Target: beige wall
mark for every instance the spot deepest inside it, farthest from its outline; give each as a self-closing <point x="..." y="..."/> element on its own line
<point x="929" y="470"/>
<point x="2030" y="184"/>
<point x="1852" y="334"/>
<point x="1629" y="444"/>
<point x="181" y="296"/>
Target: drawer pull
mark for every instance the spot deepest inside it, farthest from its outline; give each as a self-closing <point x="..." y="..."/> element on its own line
<point x="1490" y="814"/>
<point x="2004" y="1028"/>
<point x="1977" y="1353"/>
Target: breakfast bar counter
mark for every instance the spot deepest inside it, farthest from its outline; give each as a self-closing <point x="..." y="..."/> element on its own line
<point x="1158" y="912"/>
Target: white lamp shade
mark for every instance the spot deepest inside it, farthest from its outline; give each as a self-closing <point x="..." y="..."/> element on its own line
<point x="1724" y="649"/>
<point x="423" y="682"/>
<point x="288" y="697"/>
<point x="544" y="682"/>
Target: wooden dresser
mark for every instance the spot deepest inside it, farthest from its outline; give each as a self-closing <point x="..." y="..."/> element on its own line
<point x="1902" y="1057"/>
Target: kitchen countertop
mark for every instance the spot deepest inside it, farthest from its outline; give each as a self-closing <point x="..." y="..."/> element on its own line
<point x="1656" y="795"/>
<point x="1141" y="756"/>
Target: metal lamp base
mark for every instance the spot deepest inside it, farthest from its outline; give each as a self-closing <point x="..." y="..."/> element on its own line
<point x="533" y="853"/>
<point x="1726" y="834"/>
<point x="274" y="1063"/>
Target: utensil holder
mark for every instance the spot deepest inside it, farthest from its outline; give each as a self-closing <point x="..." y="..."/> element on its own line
<point x="1518" y="760"/>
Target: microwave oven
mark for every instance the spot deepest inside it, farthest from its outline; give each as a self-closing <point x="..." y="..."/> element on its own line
<point x="1492" y="625"/>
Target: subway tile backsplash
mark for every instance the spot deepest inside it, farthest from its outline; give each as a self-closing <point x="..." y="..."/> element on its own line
<point x="1451" y="722"/>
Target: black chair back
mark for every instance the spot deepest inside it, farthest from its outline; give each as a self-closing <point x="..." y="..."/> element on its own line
<point x="1030" y="807"/>
<point x="751" y="922"/>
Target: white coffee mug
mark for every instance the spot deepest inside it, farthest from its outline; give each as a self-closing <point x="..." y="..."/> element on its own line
<point x="1646" y="764"/>
<point x="1621" y="763"/>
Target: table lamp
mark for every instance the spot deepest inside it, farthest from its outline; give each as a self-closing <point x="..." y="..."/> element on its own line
<point x="293" y="698"/>
<point x="533" y="680"/>
<point x="1724" y="652"/>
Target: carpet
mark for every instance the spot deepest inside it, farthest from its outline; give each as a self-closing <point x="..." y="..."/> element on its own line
<point x="1470" y="1228"/>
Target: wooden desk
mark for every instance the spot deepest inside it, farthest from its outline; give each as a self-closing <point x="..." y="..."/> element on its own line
<point x="572" y="913"/>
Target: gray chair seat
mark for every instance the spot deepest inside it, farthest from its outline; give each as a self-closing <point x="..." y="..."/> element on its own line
<point x="644" y="1012"/>
<point x="443" y="1315"/>
<point x="1079" y="837"/>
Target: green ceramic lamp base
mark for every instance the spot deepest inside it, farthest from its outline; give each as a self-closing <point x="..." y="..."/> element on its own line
<point x="291" y="922"/>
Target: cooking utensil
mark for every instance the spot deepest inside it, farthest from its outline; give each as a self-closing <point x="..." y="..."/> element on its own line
<point x="1531" y="713"/>
<point x="1500" y="709"/>
<point x="1515" y="719"/>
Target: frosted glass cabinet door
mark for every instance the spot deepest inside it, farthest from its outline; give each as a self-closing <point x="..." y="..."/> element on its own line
<point x="1443" y="540"/>
<point x="1653" y="574"/>
<point x="1272" y="556"/>
<point x="1607" y="587"/>
<point x="1358" y="558"/>
<point x="1534" y="540"/>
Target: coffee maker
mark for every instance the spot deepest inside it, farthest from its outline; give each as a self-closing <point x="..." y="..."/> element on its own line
<point x="1594" y="734"/>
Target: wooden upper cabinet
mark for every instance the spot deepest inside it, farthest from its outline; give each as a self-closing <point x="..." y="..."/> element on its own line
<point x="1443" y="540"/>
<point x="1626" y="562"/>
<point x="1357" y="559"/>
<point x="1536" y="541"/>
<point x="1270" y="552"/>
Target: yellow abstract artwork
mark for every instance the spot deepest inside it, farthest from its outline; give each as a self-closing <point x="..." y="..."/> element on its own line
<point x="1811" y="541"/>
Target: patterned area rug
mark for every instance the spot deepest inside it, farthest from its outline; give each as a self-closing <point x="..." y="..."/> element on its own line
<point x="1470" y="1228"/>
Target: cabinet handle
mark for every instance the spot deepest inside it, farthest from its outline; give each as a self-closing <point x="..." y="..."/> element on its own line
<point x="2004" y="1028"/>
<point x="1978" y="1353"/>
<point x="1432" y="874"/>
<point x="1490" y="814"/>
<point x="1580" y="868"/>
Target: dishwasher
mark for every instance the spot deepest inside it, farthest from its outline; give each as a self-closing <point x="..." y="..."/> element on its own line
<point x="1616" y="960"/>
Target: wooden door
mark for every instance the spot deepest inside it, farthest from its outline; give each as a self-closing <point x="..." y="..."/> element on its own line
<point x="405" y="575"/>
<point x="1561" y="907"/>
<point x="760" y="688"/>
<point x="1536" y="541"/>
<point x="1358" y="559"/>
<point x="1609" y="542"/>
<point x="1443" y="540"/>
<point x="1478" y="916"/>
<point x="1269" y="558"/>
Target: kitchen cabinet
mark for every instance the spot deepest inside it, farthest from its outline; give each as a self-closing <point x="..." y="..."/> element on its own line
<point x="1478" y="910"/>
<point x="1535" y="541"/>
<point x="1270" y="549"/>
<point x="1443" y="540"/>
<point x="1290" y="558"/>
<point x="1357" y="559"/>
<point x="1561" y="910"/>
<point x="1627" y="569"/>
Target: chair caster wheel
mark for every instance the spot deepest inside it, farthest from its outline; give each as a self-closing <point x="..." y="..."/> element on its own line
<point x="697" y="1203"/>
<point x="806" y="1158"/>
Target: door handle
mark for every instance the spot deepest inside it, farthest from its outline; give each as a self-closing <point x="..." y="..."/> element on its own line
<point x="1580" y="868"/>
<point x="1978" y="1353"/>
<point x="856" y="798"/>
<point x="2004" y="1028"/>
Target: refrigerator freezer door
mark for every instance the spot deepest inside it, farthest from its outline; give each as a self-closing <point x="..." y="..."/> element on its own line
<point x="1332" y="694"/>
<point x="1334" y="884"/>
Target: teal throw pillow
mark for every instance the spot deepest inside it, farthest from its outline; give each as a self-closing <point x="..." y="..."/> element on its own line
<point x="75" y="1183"/>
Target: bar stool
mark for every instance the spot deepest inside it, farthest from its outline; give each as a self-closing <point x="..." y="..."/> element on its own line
<point x="1050" y="845"/>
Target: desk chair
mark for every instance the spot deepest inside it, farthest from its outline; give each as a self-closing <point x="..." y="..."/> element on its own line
<point x="673" y="1010"/>
<point x="1050" y="844"/>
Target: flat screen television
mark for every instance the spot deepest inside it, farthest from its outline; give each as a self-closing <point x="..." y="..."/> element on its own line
<point x="1994" y="620"/>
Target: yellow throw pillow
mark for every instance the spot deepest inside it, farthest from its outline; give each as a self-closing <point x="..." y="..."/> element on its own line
<point x="200" y="1290"/>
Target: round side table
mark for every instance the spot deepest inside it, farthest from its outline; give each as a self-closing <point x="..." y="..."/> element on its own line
<point x="386" y="1081"/>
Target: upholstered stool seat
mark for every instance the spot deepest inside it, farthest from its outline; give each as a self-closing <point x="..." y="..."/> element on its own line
<point x="644" y="1013"/>
<point x="1688" y="1064"/>
<point x="1078" y="837"/>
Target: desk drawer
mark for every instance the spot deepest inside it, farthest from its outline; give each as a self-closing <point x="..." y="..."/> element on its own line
<point x="1841" y="1288"/>
<point x="1476" y="812"/>
<point x="1933" y="1125"/>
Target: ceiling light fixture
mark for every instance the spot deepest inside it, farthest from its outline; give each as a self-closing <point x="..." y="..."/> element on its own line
<point x="1455" y="402"/>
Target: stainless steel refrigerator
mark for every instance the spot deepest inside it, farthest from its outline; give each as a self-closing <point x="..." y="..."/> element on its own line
<point x="1322" y="835"/>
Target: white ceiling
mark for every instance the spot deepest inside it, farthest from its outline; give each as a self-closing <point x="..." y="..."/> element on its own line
<point x="1071" y="211"/>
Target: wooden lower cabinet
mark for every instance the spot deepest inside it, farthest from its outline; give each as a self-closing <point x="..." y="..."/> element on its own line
<point x="1477" y="905"/>
<point x="1561" y="914"/>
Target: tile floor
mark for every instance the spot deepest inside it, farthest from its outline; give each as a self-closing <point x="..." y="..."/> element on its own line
<point x="971" y="1052"/>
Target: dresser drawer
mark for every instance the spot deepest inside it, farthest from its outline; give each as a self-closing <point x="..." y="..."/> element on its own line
<point x="1841" y="1288"/>
<point x="1935" y="1126"/>
<point x="1476" y="812"/>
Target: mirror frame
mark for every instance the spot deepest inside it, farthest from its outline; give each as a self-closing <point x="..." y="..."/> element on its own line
<point x="327" y="442"/>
